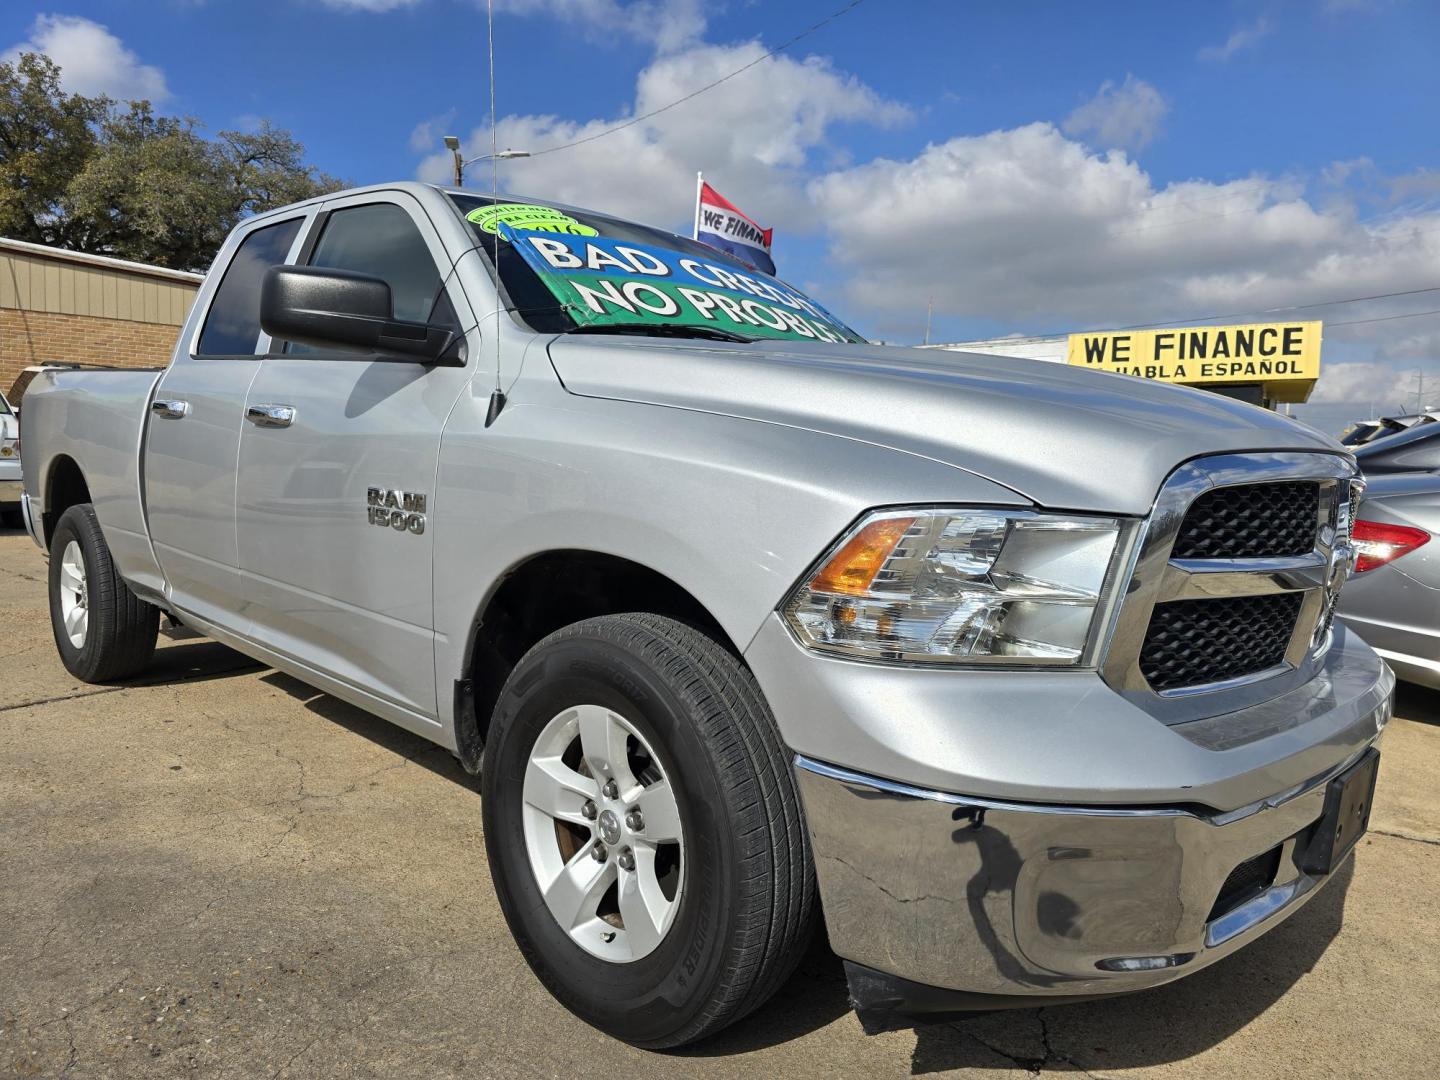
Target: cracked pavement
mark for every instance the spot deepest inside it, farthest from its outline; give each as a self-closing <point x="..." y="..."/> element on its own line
<point x="217" y="871"/>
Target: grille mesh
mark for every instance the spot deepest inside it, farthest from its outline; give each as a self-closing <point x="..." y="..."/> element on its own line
<point x="1194" y="642"/>
<point x="1246" y="881"/>
<point x="1250" y="521"/>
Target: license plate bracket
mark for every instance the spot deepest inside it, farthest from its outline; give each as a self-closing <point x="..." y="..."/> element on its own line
<point x="1348" y="800"/>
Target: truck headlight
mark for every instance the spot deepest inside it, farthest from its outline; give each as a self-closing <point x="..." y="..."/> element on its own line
<point x="957" y="586"/>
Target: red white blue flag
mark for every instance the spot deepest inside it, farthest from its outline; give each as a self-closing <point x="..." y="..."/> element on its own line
<point x="721" y="224"/>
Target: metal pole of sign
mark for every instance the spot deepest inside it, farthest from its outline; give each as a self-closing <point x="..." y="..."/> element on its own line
<point x="699" y="187"/>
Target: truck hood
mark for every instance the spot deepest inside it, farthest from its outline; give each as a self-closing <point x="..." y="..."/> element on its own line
<point x="1060" y="436"/>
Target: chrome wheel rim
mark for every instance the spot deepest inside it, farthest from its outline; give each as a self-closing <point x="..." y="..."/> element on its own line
<point x="603" y="833"/>
<point x="74" y="595"/>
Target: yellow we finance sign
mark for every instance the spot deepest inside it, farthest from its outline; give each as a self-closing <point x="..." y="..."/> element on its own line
<point x="1254" y="353"/>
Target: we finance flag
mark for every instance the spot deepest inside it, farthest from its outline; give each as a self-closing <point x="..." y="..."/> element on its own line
<point x="721" y="224"/>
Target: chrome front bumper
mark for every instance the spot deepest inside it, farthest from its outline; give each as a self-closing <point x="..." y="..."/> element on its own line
<point x="1003" y="900"/>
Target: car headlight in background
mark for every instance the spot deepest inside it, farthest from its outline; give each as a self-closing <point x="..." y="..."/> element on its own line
<point x="966" y="586"/>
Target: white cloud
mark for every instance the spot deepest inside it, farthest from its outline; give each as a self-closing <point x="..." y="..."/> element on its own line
<point x="1026" y="228"/>
<point x="1362" y="382"/>
<point x="1367" y="6"/>
<point x="1127" y="116"/>
<point x="667" y="24"/>
<point x="1414" y="345"/>
<point x="369" y="5"/>
<point x="753" y="138"/>
<point x="1246" y="37"/>
<point x="92" y="60"/>
<point x="427" y="134"/>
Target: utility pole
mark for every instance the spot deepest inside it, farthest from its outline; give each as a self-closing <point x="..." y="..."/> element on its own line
<point x="929" y="312"/>
<point x="453" y="145"/>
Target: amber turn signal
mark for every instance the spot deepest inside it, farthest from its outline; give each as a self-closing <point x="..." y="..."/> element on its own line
<point x="852" y="569"/>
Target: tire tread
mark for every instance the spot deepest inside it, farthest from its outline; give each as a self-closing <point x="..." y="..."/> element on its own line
<point x="123" y="629"/>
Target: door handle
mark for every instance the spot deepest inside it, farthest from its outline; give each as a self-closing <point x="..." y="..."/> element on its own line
<point x="170" y="408"/>
<point x="270" y="415"/>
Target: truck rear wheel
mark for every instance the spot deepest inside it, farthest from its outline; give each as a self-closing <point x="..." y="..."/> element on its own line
<point x="644" y="832"/>
<point x="102" y="630"/>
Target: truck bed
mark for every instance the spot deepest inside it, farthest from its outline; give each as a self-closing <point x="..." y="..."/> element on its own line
<point x="95" y="418"/>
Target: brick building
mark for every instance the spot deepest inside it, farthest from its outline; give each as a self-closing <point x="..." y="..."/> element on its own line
<point x="58" y="305"/>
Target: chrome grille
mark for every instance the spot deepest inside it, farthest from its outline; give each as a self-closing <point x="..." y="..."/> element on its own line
<point x="1233" y="584"/>
<point x="1198" y="642"/>
<point x="1247" y="521"/>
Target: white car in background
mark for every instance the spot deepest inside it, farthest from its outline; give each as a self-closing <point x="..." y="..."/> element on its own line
<point x="10" y="486"/>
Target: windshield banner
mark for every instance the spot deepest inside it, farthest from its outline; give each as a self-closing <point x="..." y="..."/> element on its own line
<point x="605" y="282"/>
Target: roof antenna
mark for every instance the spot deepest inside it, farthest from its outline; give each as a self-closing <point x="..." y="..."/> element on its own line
<point x="497" y="395"/>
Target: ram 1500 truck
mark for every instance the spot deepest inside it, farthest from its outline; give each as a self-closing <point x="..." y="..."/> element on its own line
<point x="1024" y="676"/>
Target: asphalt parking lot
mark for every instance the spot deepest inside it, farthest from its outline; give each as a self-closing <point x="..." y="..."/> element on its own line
<point x="218" y="871"/>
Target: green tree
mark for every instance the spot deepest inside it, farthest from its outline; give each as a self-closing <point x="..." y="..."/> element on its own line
<point x="46" y="136"/>
<point x="120" y="180"/>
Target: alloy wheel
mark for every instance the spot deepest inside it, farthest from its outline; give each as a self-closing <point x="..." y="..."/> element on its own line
<point x="74" y="594"/>
<point x="603" y="833"/>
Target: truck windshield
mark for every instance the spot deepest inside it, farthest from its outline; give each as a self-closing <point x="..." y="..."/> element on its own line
<point x="573" y="271"/>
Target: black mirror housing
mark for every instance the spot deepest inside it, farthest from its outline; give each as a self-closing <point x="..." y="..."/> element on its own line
<point x="317" y="306"/>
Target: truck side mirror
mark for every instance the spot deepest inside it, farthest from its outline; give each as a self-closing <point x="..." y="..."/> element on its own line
<point x="316" y="306"/>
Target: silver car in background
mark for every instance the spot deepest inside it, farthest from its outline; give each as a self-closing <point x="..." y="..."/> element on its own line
<point x="10" y="483"/>
<point x="1393" y="600"/>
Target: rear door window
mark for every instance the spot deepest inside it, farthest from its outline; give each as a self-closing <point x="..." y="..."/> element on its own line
<point x="232" y="326"/>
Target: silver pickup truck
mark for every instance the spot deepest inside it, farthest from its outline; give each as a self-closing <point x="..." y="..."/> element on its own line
<point x="1024" y="676"/>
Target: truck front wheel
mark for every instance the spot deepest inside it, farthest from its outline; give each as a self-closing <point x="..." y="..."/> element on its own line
<point x="643" y="829"/>
<point x="103" y="630"/>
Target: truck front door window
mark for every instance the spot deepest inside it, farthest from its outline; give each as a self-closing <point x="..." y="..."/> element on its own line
<point x="382" y="241"/>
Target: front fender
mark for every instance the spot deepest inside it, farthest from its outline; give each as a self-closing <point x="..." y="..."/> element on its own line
<point x="732" y="510"/>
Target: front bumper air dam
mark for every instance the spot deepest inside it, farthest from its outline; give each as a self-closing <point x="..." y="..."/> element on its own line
<point x="943" y="903"/>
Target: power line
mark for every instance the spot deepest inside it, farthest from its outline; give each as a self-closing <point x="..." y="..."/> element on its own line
<point x="1387" y="318"/>
<point x="708" y="86"/>
<point x="1236" y="315"/>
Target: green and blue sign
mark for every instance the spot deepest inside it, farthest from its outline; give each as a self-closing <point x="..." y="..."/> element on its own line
<point x="610" y="282"/>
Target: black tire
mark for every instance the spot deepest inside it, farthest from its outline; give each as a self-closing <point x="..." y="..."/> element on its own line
<point x="11" y="518"/>
<point x="748" y="908"/>
<point x="120" y="637"/>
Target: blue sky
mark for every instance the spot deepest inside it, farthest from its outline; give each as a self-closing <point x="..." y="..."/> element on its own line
<point x="1033" y="168"/>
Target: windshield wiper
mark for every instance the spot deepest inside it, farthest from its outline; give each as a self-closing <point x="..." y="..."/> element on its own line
<point x="713" y="333"/>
